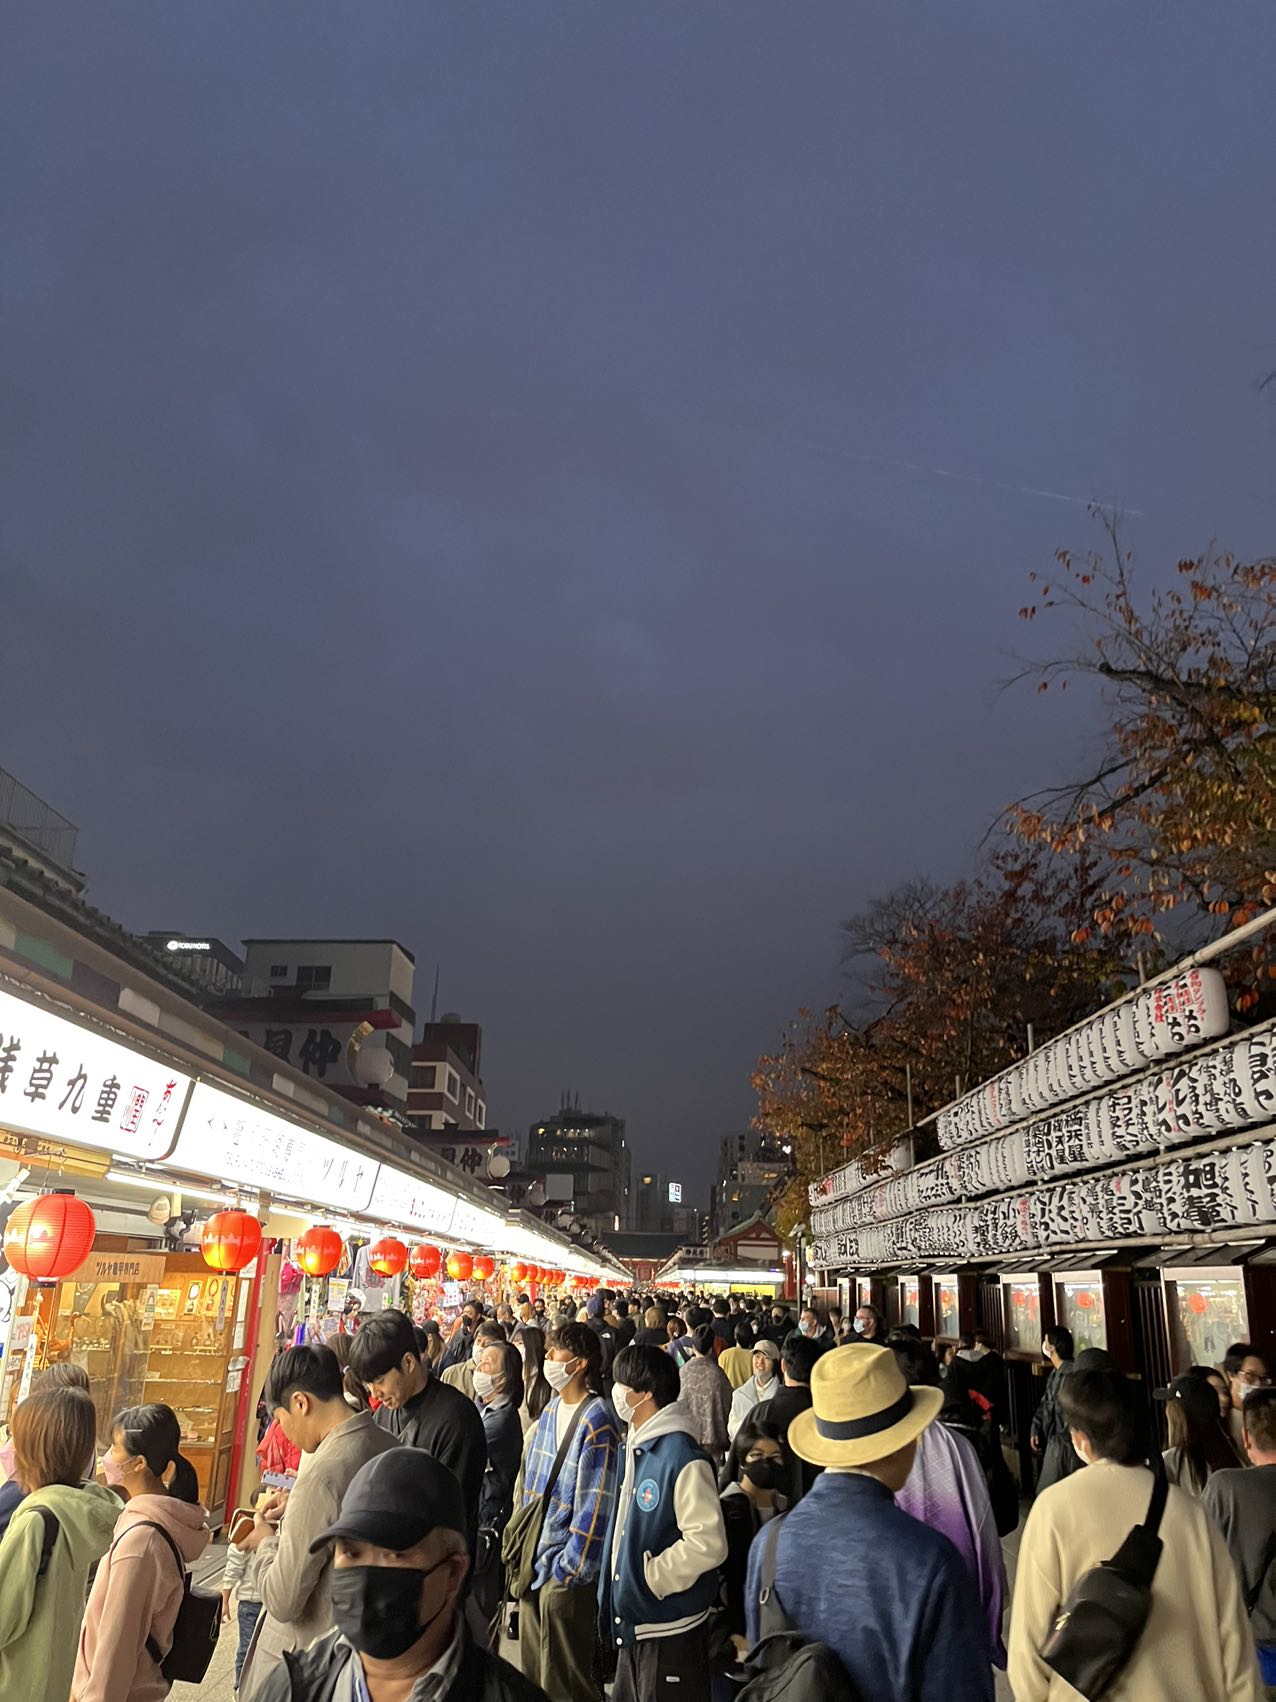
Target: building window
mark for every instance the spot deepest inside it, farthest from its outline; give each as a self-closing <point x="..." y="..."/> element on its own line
<point x="480" y="1116"/>
<point x="314" y="975"/>
<point x="453" y="1089"/>
<point x="469" y="1102"/>
<point x="279" y="972"/>
<point x="424" y="1077"/>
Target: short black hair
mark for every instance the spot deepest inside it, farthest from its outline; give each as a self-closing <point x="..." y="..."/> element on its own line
<point x="381" y="1343"/>
<point x="704" y="1338"/>
<point x="582" y="1343"/>
<point x="916" y="1360"/>
<point x="1060" y="1339"/>
<point x="490" y="1331"/>
<point x="743" y="1335"/>
<point x="720" y="1307"/>
<point x="315" y="1371"/>
<point x="1236" y="1356"/>
<point x="1105" y="1408"/>
<point x="648" y="1371"/>
<point x="621" y="1308"/>
<point x="1258" y="1415"/>
<point x="798" y="1356"/>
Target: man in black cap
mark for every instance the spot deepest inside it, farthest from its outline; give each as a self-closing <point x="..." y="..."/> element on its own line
<point x="399" y="1563"/>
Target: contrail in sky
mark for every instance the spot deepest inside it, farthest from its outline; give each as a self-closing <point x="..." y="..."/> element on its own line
<point x="965" y="478"/>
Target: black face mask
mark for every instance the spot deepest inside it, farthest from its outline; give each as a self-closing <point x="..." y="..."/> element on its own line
<point x="764" y="1474"/>
<point x="378" y="1607"/>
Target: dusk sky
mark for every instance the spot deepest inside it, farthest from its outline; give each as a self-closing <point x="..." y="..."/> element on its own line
<point x="471" y="473"/>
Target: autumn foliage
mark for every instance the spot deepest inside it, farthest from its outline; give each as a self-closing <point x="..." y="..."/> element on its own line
<point x="951" y="980"/>
<point x="1170" y="839"/>
<point x="1181" y="812"/>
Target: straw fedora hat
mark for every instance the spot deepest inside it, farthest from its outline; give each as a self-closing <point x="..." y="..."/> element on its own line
<point x="862" y="1409"/>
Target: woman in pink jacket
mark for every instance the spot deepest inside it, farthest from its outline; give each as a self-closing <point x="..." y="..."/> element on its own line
<point x="139" y="1584"/>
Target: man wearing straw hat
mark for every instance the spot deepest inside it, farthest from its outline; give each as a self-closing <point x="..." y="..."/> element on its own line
<point x="886" y="1593"/>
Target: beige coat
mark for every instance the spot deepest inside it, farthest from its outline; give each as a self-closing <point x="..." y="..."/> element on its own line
<point x="294" y="1582"/>
<point x="1197" y="1646"/>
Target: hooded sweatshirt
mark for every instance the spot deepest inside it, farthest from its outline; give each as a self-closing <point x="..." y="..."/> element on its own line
<point x="37" y="1646"/>
<point x="136" y="1595"/>
<point x="667" y="1539"/>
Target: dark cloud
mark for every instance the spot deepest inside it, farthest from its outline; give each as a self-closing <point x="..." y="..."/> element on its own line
<point x="433" y="487"/>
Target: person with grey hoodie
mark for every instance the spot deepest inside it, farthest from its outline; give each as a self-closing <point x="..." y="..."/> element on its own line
<point x="140" y="1584"/>
<point x="59" y="1529"/>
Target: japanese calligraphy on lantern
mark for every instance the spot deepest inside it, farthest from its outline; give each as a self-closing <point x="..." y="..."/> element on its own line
<point x="68" y="1083"/>
<point x="240" y="1142"/>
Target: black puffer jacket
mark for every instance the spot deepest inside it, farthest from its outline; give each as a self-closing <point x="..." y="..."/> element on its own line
<point x="314" y="1675"/>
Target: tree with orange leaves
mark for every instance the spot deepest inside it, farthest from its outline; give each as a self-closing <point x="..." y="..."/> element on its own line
<point x="955" y="976"/>
<point x="1182" y="809"/>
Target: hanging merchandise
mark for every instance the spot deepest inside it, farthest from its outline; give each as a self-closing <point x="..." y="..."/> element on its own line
<point x="388" y="1256"/>
<point x="460" y="1266"/>
<point x="49" y="1237"/>
<point x="231" y="1240"/>
<point x="319" y="1250"/>
<point x="484" y="1267"/>
<point x="425" y="1261"/>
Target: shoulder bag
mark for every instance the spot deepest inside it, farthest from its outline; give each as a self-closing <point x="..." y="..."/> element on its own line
<point x="786" y="1665"/>
<point x="198" y="1622"/>
<point x="1097" y="1629"/>
<point x="523" y="1532"/>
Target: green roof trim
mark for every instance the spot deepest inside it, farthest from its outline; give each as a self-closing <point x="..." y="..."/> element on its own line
<point x="236" y="1061"/>
<point x="41" y="952"/>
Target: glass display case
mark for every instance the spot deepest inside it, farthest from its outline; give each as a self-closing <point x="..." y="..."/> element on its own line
<point x="1022" y="1299"/>
<point x="1079" y="1305"/>
<point x="946" y="1312"/>
<point x="193" y="1365"/>
<point x="1206" y="1311"/>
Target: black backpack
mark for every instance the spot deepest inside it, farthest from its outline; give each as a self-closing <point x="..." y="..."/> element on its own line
<point x="51" y="1528"/>
<point x="196" y="1628"/>
<point x="785" y="1665"/>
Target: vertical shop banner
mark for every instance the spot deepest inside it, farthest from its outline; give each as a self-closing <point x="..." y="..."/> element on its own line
<point x="70" y="1083"/>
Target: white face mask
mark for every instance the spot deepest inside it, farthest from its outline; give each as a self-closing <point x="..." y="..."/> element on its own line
<point x="858" y="1326"/>
<point x="767" y="1375"/>
<point x="484" y="1383"/>
<point x="624" y="1405"/>
<point x="559" y="1373"/>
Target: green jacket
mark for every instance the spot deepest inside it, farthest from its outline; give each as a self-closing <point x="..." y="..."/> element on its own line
<point x="40" y="1617"/>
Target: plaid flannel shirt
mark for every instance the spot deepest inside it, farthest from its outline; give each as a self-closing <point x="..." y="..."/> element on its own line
<point x="574" y="1533"/>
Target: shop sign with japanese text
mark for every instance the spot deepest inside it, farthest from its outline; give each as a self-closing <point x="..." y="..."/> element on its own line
<point x="400" y="1198"/>
<point x="226" y="1137"/>
<point x="64" y="1082"/>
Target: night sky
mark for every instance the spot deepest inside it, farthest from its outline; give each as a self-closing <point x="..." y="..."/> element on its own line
<point x="469" y="472"/>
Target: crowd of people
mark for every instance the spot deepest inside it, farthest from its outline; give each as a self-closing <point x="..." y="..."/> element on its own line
<point x="626" y="1497"/>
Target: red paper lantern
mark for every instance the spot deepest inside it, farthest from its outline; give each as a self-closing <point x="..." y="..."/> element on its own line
<point x="518" y="1272"/>
<point x="1085" y="1300"/>
<point x="231" y="1240"/>
<point x="425" y="1261"/>
<point x="50" y="1237"/>
<point x="556" y="1278"/>
<point x="1196" y="1303"/>
<point x="319" y="1250"/>
<point x="460" y="1266"/>
<point x="388" y="1256"/>
<point x="484" y="1267"/>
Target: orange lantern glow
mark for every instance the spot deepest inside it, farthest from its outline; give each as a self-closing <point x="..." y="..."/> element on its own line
<point x="49" y="1237"/>
<point x="518" y="1272"/>
<point x="319" y="1250"/>
<point x="556" y="1278"/>
<point x="388" y="1256"/>
<point x="425" y="1261"/>
<point x="484" y="1267"/>
<point x="460" y="1266"/>
<point x="231" y="1240"/>
<point x="1196" y="1304"/>
<point x="1085" y="1300"/>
